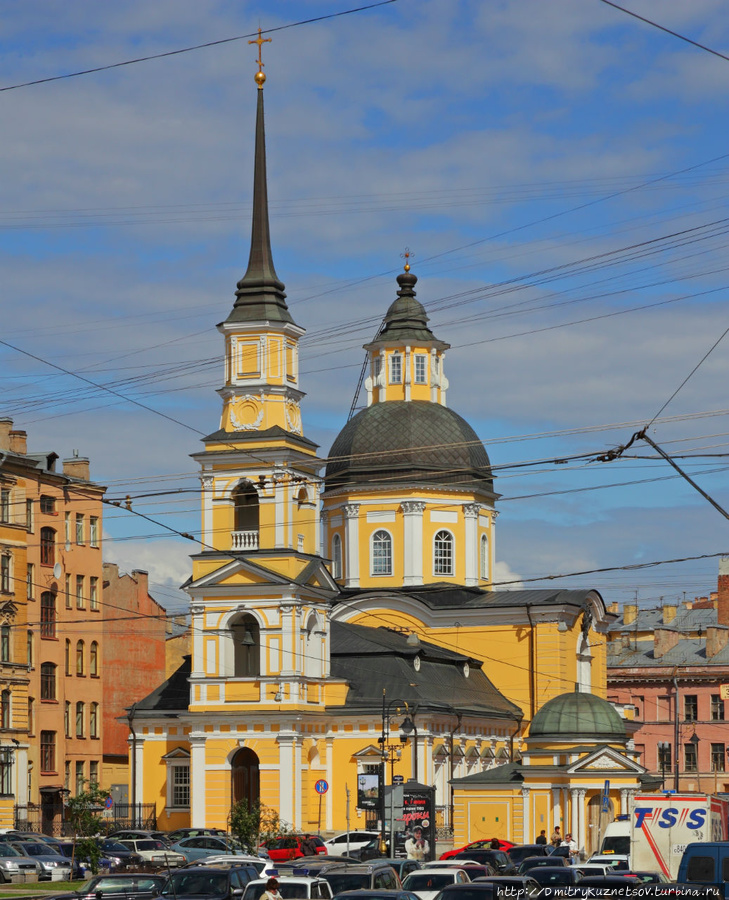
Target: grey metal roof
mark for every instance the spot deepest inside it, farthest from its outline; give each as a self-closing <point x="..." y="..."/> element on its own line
<point x="241" y="437"/>
<point x="685" y="620"/>
<point x="687" y="652"/>
<point x="172" y="694"/>
<point x="406" y="319"/>
<point x="442" y="595"/>
<point x="578" y="712"/>
<point x="399" y="442"/>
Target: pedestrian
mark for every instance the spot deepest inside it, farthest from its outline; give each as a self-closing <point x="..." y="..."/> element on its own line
<point x="495" y="844"/>
<point x="271" y="892"/>
<point x="556" y="838"/>
<point x="542" y="839"/>
<point x="573" y="849"/>
<point x="308" y="847"/>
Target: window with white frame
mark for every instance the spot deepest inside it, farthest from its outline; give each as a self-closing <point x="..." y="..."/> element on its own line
<point x="485" y="561"/>
<point x="443" y="553"/>
<point x="337" y="556"/>
<point x="94" y="531"/>
<point x="376" y="366"/>
<point x="421" y="369"/>
<point x="396" y="369"/>
<point x="80" y="538"/>
<point x="80" y="598"/>
<point x="381" y="553"/>
<point x="93" y="592"/>
<point x="178" y="783"/>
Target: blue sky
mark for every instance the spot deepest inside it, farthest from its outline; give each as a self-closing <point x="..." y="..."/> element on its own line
<point x="559" y="169"/>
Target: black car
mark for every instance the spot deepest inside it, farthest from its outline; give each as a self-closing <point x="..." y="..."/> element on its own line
<point x="537" y="862"/>
<point x="476" y="890"/>
<point x="519" y="852"/>
<point x="376" y="895"/>
<point x="403" y="866"/>
<point x="372" y="876"/>
<point x="115" y="850"/>
<point x="524" y="885"/>
<point x="205" y="881"/>
<point x="116" y="887"/>
<point x="551" y="876"/>
<point x="499" y="860"/>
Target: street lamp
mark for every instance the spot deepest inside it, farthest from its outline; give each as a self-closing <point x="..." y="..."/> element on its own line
<point x="388" y="751"/>
<point x="662" y="748"/>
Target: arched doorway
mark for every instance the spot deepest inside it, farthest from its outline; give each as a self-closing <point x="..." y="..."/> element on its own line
<point x="245" y="780"/>
<point x="246" y="647"/>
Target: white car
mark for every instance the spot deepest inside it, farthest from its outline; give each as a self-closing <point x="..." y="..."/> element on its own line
<point x="156" y="852"/>
<point x="426" y="883"/>
<point x="305" y="887"/>
<point x="614" y="860"/>
<point x="447" y="863"/>
<point x="337" y="846"/>
<point x="227" y="860"/>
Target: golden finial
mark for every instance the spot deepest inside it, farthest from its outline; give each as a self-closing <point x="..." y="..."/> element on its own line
<point x="407" y="256"/>
<point x="260" y="75"/>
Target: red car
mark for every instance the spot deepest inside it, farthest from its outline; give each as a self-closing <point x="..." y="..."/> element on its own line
<point x="477" y="845"/>
<point x="289" y="847"/>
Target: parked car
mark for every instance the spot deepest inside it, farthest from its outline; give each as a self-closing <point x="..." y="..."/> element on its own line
<point x="289" y="847"/>
<point x="366" y="876"/>
<point x="180" y="833"/>
<point x="525" y="885"/>
<point x="358" y="840"/>
<point x="133" y="834"/>
<point x="121" y="857"/>
<point x="204" y="881"/>
<point x="614" y="860"/>
<point x="553" y="876"/>
<point x="301" y="887"/>
<point x="426" y="883"/>
<point x="537" y="862"/>
<point x="16" y="867"/>
<point x="592" y="869"/>
<point x="648" y="877"/>
<point x="376" y="895"/>
<point x="53" y="864"/>
<point x="474" y="890"/>
<point x="402" y="866"/>
<point x="519" y="852"/>
<point x="226" y="861"/>
<point x="497" y="859"/>
<point x="194" y="848"/>
<point x="116" y="886"/>
<point x="156" y="852"/>
<point x="478" y="845"/>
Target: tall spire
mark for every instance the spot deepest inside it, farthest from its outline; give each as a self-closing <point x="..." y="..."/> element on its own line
<point x="260" y="294"/>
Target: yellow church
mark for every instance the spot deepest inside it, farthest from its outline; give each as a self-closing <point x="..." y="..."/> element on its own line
<point x="331" y="608"/>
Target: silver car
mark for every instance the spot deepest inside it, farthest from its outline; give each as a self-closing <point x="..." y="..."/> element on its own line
<point x="15" y="867"/>
<point x="53" y="865"/>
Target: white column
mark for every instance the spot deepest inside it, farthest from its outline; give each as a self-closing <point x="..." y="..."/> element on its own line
<point x="317" y="520"/>
<point x="196" y="626"/>
<point x="206" y="482"/>
<point x="288" y="641"/>
<point x="286" y="779"/>
<point x="406" y="374"/>
<point x="412" y="512"/>
<point x="556" y="808"/>
<point x="581" y="837"/>
<point x="278" y="511"/>
<point x="470" y="513"/>
<point x="574" y="812"/>
<point x="296" y="752"/>
<point x="624" y="794"/>
<point x="351" y="545"/>
<point x="526" y="816"/>
<point x="197" y="781"/>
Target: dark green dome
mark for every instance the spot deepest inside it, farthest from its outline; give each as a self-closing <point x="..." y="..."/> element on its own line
<point x="578" y="717"/>
<point x="400" y="442"/>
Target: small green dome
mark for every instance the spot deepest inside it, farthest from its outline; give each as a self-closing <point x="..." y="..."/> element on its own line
<point x="578" y="717"/>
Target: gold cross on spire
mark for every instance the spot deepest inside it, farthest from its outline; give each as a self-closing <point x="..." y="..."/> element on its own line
<point x="407" y="256"/>
<point x="260" y="75"/>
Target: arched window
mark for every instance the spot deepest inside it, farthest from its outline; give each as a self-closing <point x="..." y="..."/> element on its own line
<point x="245" y="516"/>
<point x="80" y="715"/>
<point x="94" y="659"/>
<point x="80" y="658"/>
<point x="47" y="546"/>
<point x="381" y="553"/>
<point x="485" y="561"/>
<point x="443" y="553"/>
<point x="5" y="709"/>
<point x="48" y="681"/>
<point x="247" y="647"/>
<point x="94" y="720"/>
<point x="337" y="557"/>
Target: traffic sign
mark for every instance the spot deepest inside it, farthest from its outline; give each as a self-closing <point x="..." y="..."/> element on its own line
<point x="108" y="803"/>
<point x="398" y="779"/>
<point x="321" y="787"/>
<point x="606" y="798"/>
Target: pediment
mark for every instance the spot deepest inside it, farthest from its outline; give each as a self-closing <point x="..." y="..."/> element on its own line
<point x="238" y="572"/>
<point x="179" y="753"/>
<point x="368" y="752"/>
<point x="606" y="760"/>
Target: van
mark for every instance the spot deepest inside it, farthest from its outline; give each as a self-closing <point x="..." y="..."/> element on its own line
<point x="705" y="863"/>
<point x="362" y="877"/>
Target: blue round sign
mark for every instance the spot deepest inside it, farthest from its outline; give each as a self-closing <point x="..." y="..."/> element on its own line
<point x="321" y="786"/>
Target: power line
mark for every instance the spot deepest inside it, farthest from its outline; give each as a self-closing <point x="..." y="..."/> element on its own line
<point x="681" y="37"/>
<point x="240" y="37"/>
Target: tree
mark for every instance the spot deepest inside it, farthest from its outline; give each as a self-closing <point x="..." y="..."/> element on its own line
<point x="82" y="812"/>
<point x="253" y="824"/>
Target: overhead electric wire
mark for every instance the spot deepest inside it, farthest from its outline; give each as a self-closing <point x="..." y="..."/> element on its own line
<point x="167" y="53"/>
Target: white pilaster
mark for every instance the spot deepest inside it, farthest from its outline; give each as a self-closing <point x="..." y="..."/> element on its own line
<point x="624" y="794"/>
<point x="197" y="781"/>
<point x="288" y="639"/>
<point x="328" y="797"/>
<point x="351" y="545"/>
<point x="279" y="517"/>
<point x="413" y="542"/>
<point x="21" y="775"/>
<point x="575" y="812"/>
<point x="407" y="376"/>
<point x="206" y="482"/>
<point x="470" y="512"/>
<point x="526" y="816"/>
<point x="581" y="837"/>
<point x="296" y="753"/>
<point x="285" y="742"/>
<point x="196" y="626"/>
<point x="556" y="808"/>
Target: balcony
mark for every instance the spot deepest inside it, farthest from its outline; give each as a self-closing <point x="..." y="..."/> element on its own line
<point x="244" y="540"/>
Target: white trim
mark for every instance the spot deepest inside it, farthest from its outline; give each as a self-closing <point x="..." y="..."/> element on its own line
<point x="454" y="568"/>
<point x="390" y="571"/>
